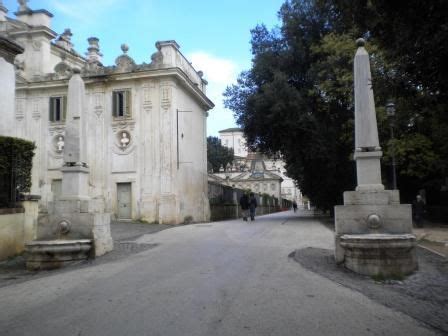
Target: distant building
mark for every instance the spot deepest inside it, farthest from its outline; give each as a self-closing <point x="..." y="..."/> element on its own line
<point x="244" y="161"/>
<point x="234" y="138"/>
<point x="146" y="134"/>
<point x="253" y="176"/>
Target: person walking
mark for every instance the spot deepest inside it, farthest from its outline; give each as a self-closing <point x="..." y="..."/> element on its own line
<point x="294" y="206"/>
<point x="252" y="205"/>
<point x="244" y="203"/>
<point x="418" y="210"/>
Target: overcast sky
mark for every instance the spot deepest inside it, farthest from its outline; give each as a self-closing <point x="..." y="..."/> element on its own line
<point x="213" y="34"/>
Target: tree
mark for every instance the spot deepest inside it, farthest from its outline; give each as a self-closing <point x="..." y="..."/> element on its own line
<point x="415" y="43"/>
<point x="16" y="161"/>
<point x="297" y="98"/>
<point x="217" y="154"/>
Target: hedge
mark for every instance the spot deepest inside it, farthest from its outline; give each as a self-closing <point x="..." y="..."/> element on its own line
<point x="16" y="161"/>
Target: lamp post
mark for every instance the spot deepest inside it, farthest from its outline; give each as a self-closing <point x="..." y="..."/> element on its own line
<point x="390" y="111"/>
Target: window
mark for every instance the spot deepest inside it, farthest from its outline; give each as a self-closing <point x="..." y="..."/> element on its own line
<point x="58" y="109"/>
<point x="121" y="104"/>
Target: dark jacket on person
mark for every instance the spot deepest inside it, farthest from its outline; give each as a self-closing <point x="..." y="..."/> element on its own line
<point x="252" y="202"/>
<point x="418" y="207"/>
<point x="244" y="202"/>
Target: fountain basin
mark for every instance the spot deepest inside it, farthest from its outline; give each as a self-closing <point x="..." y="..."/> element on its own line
<point x="51" y="254"/>
<point x="388" y="255"/>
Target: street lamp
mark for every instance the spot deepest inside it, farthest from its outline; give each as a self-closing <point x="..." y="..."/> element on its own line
<point x="390" y="111"/>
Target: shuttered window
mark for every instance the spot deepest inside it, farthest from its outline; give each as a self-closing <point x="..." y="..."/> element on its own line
<point x="58" y="109"/>
<point x="121" y="104"/>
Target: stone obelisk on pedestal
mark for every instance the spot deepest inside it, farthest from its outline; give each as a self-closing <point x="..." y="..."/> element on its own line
<point x="86" y="216"/>
<point x="76" y="226"/>
<point x="373" y="230"/>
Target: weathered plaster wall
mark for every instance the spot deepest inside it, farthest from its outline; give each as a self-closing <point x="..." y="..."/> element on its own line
<point x="11" y="235"/>
<point x="192" y="159"/>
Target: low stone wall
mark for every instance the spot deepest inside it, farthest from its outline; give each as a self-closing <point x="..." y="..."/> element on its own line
<point x="11" y="233"/>
<point x="17" y="226"/>
<point x="232" y="211"/>
<point x="220" y="212"/>
<point x="224" y="203"/>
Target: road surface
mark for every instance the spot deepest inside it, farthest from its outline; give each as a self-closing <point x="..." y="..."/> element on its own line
<point x="222" y="278"/>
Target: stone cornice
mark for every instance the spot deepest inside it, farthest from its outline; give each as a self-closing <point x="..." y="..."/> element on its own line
<point x="9" y="49"/>
<point x="70" y="54"/>
<point x="34" y="31"/>
<point x="177" y="73"/>
<point x="31" y="12"/>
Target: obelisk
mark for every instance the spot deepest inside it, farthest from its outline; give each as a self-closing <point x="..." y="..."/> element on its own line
<point x="86" y="216"/>
<point x="75" y="170"/>
<point x="367" y="149"/>
<point x="373" y="231"/>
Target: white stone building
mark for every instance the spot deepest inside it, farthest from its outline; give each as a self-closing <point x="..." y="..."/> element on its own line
<point x="146" y="126"/>
<point x="254" y="176"/>
<point x="234" y="138"/>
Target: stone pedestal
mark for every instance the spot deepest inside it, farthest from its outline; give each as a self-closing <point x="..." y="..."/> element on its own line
<point x="51" y="254"/>
<point x="374" y="233"/>
<point x="75" y="183"/>
<point x="388" y="255"/>
<point x="78" y="219"/>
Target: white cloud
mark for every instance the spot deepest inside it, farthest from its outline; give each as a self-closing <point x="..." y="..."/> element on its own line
<point x="216" y="70"/>
<point x="219" y="73"/>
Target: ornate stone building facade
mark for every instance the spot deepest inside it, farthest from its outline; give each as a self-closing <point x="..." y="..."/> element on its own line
<point x="274" y="168"/>
<point x="146" y="123"/>
<point x="250" y="173"/>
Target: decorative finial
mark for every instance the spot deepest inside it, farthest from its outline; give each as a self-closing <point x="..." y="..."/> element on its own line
<point x="124" y="48"/>
<point x="67" y="33"/>
<point x="360" y="42"/>
<point x="23" y="5"/>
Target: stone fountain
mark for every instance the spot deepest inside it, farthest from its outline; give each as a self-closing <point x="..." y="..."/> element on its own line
<point x="373" y="230"/>
<point x="76" y="226"/>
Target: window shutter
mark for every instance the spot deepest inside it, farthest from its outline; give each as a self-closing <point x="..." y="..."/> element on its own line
<point x="51" y="109"/>
<point x="64" y="108"/>
<point x="128" y="104"/>
<point x="114" y="104"/>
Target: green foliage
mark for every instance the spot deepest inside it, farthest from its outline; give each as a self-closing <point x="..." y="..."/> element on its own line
<point x="298" y="96"/>
<point x="16" y="157"/>
<point x="414" y="155"/>
<point x="413" y="43"/>
<point x="217" y="154"/>
<point x="297" y="99"/>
